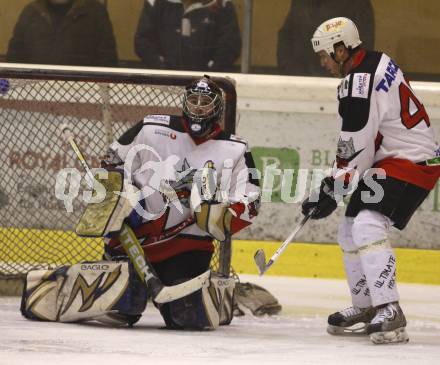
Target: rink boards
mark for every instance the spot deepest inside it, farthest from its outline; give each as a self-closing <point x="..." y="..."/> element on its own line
<point x="300" y="259"/>
<point x="291" y="125"/>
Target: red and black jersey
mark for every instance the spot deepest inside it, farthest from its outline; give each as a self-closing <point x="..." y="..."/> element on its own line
<point x="383" y="124"/>
<point x="160" y="150"/>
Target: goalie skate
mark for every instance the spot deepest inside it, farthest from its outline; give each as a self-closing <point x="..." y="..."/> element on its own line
<point x="388" y="326"/>
<point x="350" y="321"/>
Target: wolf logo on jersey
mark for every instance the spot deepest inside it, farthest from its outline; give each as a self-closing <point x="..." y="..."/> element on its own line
<point x="403" y="134"/>
<point x="345" y="152"/>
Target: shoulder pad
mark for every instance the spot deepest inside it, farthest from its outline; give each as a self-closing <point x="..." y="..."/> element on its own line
<point x="223" y="136"/>
<point x="173" y="122"/>
<point x="235" y="138"/>
<point x="157" y="119"/>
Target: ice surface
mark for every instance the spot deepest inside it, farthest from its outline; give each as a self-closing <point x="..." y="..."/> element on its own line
<point x="297" y="336"/>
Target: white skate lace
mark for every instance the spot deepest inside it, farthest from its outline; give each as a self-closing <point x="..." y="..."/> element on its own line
<point x="351" y="311"/>
<point x="383" y="313"/>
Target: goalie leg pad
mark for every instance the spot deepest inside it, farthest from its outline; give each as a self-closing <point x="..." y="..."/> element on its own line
<point x="109" y="292"/>
<point x="204" y="309"/>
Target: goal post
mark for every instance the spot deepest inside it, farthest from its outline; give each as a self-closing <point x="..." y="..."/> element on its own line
<point x="98" y="105"/>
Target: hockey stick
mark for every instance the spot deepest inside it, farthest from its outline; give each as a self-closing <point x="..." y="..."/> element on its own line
<point x="146" y="272"/>
<point x="260" y="257"/>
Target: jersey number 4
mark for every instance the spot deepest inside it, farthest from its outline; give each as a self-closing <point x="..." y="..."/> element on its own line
<point x="411" y="120"/>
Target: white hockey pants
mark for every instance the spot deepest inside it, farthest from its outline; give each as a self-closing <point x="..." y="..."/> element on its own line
<point x="369" y="260"/>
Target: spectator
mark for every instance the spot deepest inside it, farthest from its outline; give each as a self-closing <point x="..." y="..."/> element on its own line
<point x="295" y="57"/>
<point x="188" y="35"/>
<point x="63" y="32"/>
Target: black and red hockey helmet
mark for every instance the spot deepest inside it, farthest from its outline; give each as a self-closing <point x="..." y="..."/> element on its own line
<point x="202" y="106"/>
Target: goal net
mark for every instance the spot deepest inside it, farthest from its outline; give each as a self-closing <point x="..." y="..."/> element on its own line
<point x="98" y="106"/>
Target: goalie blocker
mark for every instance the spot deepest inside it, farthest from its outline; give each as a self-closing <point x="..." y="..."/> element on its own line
<point x="112" y="293"/>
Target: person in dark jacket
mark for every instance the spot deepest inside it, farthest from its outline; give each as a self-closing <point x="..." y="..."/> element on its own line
<point x="294" y="55"/>
<point x="63" y="32"/>
<point x="188" y="35"/>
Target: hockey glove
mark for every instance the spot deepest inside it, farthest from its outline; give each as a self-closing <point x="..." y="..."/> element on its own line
<point x="324" y="204"/>
<point x="215" y="219"/>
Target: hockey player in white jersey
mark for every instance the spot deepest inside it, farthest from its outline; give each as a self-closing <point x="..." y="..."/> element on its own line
<point x="383" y="126"/>
<point x="174" y="225"/>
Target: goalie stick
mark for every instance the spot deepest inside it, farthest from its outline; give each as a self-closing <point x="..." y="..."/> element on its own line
<point x="260" y="257"/>
<point x="160" y="292"/>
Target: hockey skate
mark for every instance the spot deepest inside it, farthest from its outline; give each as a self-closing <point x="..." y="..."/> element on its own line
<point x="350" y="321"/>
<point x="388" y="326"/>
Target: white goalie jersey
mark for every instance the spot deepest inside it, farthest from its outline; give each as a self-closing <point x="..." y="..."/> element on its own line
<point x="383" y="124"/>
<point x="161" y="155"/>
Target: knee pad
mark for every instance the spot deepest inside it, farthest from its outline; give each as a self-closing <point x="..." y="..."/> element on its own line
<point x="370" y="227"/>
<point x="345" y="237"/>
<point x="109" y="292"/>
<point x="206" y="308"/>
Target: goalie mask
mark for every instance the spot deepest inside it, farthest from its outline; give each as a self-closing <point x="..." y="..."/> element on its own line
<point x="202" y="106"/>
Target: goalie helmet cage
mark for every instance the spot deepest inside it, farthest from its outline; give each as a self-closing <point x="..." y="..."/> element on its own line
<point x="98" y="105"/>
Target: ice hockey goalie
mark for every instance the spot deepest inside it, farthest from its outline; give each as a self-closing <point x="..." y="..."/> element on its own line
<point x="179" y="211"/>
